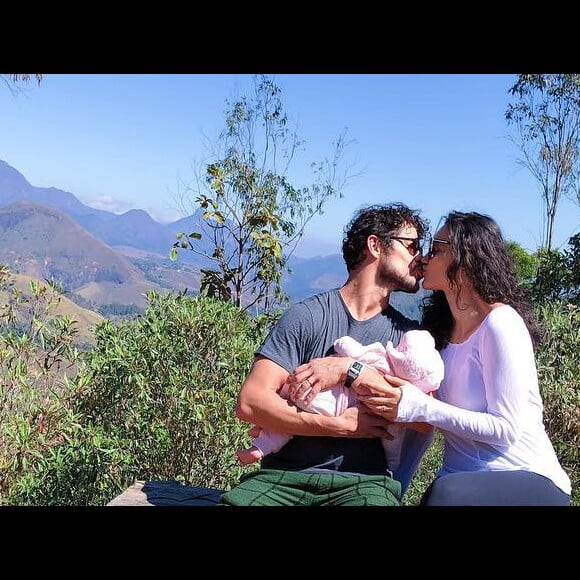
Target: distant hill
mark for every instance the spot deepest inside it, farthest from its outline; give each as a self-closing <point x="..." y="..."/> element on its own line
<point x="86" y="319"/>
<point x="134" y="229"/>
<point x="43" y="243"/>
<point x="104" y="258"/>
<point x="312" y="275"/>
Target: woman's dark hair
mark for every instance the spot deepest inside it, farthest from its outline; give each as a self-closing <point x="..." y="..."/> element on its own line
<point x="382" y="221"/>
<point x="480" y="250"/>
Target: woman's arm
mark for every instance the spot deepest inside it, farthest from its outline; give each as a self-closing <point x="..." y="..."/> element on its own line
<point x="406" y="403"/>
<point x="503" y="374"/>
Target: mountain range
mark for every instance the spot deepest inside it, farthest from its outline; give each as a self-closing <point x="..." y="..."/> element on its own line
<point x="107" y="262"/>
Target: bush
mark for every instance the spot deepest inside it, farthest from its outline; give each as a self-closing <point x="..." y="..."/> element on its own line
<point x="36" y="356"/>
<point x="559" y="369"/>
<point x="155" y="400"/>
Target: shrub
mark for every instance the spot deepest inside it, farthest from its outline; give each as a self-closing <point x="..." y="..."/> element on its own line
<point x="155" y="398"/>
<point x="154" y="401"/>
<point x="559" y="369"/>
<point x="36" y="356"/>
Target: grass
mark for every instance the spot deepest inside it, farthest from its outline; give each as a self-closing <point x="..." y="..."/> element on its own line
<point x="426" y="473"/>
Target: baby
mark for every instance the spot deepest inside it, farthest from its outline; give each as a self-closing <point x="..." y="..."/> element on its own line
<point x="415" y="359"/>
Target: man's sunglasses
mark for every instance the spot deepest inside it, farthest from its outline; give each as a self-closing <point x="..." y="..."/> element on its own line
<point x="417" y="244"/>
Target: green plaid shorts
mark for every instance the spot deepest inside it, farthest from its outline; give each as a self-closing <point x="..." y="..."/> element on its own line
<point x="273" y="487"/>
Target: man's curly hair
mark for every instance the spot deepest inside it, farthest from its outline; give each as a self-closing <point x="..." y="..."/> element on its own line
<point x="381" y="220"/>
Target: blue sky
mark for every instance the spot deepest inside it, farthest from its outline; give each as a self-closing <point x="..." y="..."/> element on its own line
<point x="434" y="141"/>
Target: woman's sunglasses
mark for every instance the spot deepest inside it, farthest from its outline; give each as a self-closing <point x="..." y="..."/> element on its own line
<point x="432" y="252"/>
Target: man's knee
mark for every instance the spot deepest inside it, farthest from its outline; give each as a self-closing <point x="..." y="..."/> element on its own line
<point x="379" y="491"/>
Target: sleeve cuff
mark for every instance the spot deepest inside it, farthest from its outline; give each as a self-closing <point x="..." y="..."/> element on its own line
<point x="412" y="405"/>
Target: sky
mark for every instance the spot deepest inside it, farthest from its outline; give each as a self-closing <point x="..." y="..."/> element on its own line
<point x="437" y="142"/>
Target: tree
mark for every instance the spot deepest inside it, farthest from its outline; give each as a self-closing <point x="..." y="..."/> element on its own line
<point x="558" y="276"/>
<point x="546" y="116"/>
<point x="252" y="214"/>
<point x="525" y="265"/>
<point x="11" y="80"/>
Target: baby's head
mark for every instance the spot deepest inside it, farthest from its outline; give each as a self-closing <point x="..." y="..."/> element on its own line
<point x="416" y="341"/>
<point x="416" y="359"/>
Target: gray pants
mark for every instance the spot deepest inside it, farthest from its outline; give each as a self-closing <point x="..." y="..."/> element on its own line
<point x="499" y="488"/>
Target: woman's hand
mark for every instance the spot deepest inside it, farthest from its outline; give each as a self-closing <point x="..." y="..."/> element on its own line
<point x="381" y="398"/>
<point x="320" y="374"/>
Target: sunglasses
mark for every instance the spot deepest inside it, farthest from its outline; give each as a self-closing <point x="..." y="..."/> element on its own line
<point x="417" y="245"/>
<point x="432" y="252"/>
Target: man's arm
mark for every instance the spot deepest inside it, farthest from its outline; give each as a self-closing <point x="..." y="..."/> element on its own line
<point x="260" y="403"/>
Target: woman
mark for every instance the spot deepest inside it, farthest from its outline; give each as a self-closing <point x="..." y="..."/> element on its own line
<point x="488" y="407"/>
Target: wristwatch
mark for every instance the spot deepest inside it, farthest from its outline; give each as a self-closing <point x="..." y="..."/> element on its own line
<point x="352" y="373"/>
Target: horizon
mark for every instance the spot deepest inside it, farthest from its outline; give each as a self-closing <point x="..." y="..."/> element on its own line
<point x="434" y="142"/>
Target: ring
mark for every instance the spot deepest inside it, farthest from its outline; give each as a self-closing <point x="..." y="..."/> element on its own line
<point x="306" y="381"/>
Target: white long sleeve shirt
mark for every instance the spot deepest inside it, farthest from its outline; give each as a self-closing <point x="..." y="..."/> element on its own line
<point x="489" y="406"/>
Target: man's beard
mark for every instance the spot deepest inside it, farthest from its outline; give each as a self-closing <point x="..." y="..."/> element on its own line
<point x="398" y="282"/>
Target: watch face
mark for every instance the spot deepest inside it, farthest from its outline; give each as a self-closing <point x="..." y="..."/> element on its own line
<point x="354" y="369"/>
<point x="352" y="373"/>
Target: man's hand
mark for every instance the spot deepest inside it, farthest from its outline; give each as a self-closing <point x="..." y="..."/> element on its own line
<point x="359" y="422"/>
<point x="320" y="374"/>
<point x="254" y="431"/>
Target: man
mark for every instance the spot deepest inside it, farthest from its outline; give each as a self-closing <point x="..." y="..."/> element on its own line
<point x="336" y="460"/>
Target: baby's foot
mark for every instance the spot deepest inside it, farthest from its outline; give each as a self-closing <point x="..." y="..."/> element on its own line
<point x="247" y="456"/>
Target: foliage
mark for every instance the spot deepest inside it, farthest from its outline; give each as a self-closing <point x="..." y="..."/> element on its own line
<point x="573" y="262"/>
<point x="525" y="265"/>
<point x="36" y="357"/>
<point x="111" y="310"/>
<point x="427" y="471"/>
<point x="154" y="400"/>
<point x="252" y="213"/>
<point x="559" y="372"/>
<point x="12" y="80"/>
<point x="558" y="276"/>
<point x="546" y="116"/>
<point x="24" y="78"/>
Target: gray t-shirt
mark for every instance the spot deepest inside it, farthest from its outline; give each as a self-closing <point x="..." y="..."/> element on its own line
<point x="308" y="330"/>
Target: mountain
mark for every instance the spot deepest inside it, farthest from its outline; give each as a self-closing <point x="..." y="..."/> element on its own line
<point x="14" y="187"/>
<point x="41" y="242"/>
<point x="311" y="275"/>
<point x="106" y="258"/>
<point x="135" y="228"/>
